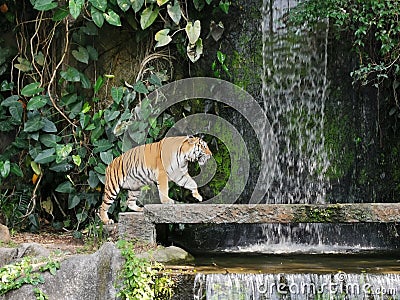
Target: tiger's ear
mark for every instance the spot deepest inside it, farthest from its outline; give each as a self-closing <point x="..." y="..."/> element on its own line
<point x="192" y="139"/>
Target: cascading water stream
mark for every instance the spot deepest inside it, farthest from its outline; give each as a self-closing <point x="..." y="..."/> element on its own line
<point x="294" y="93"/>
<point x="296" y="286"/>
<point x="294" y="90"/>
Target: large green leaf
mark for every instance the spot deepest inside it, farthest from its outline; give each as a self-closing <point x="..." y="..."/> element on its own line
<point x="140" y="87"/>
<point x="99" y="4"/>
<point x="36" y="102"/>
<point x="75" y="7"/>
<point x="81" y="54"/>
<point x="68" y="99"/>
<point x="148" y="16"/>
<point x="86" y="84"/>
<point x="34" y="124"/>
<point x="117" y="93"/>
<point x="65" y="187"/>
<point x="194" y="51"/>
<point x="137" y="5"/>
<point x="11" y="101"/>
<point x="60" y="14"/>
<point x="49" y="140"/>
<point x="111" y="115"/>
<point x="162" y="38"/>
<point x="161" y="2"/>
<point x="193" y="31"/>
<point x="199" y="4"/>
<point x="39" y="58"/>
<point x="44" y="5"/>
<point x="31" y="89"/>
<point x="24" y="65"/>
<point x="93" y="54"/>
<point x="96" y="133"/>
<point x="73" y="201"/>
<point x="174" y="11"/>
<point x="5" y="167"/>
<point x="98" y="84"/>
<point x="62" y="152"/>
<point x="15" y="169"/>
<point x="71" y="74"/>
<point x="107" y="157"/>
<point x="100" y="168"/>
<point x="48" y="126"/>
<point x="112" y="18"/>
<point x="124" y="4"/>
<point x="84" y="120"/>
<point x="93" y="180"/>
<point x="16" y="112"/>
<point x="97" y="16"/>
<point x="102" y="145"/>
<point x="81" y="216"/>
<point x="45" y="156"/>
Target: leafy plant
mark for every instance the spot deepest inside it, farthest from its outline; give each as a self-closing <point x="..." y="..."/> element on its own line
<point x="26" y="271"/>
<point x="220" y="64"/>
<point x="68" y="118"/>
<point x="142" y="279"/>
<point x="372" y="26"/>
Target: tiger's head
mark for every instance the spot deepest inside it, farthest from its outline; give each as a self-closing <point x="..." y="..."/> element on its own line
<point x="198" y="150"/>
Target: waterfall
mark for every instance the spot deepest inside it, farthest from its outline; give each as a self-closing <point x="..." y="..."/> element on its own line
<point x="294" y="92"/>
<point x="296" y="286"/>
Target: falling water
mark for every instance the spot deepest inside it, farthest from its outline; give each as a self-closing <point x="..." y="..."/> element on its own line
<point x="294" y="89"/>
<point x="294" y="92"/>
<point x="296" y="286"/>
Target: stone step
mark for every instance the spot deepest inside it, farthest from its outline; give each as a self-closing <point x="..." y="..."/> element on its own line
<point x="148" y="224"/>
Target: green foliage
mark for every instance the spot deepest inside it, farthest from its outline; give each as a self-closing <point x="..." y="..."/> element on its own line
<point x="142" y="279"/>
<point x="220" y="64"/>
<point x="373" y="27"/>
<point x="26" y="271"/>
<point x="67" y="118"/>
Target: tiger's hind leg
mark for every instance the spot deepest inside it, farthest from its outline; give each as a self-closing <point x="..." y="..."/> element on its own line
<point x="110" y="194"/>
<point x="132" y="197"/>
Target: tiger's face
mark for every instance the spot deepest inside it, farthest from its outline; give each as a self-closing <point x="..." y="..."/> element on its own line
<point x="200" y="151"/>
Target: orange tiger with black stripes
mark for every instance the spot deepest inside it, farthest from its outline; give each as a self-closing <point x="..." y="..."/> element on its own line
<point x="160" y="162"/>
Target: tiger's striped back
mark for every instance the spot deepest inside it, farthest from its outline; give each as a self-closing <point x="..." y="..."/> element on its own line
<point x="153" y="163"/>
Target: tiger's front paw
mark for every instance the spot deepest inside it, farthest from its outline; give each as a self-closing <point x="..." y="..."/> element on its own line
<point x="197" y="196"/>
<point x="104" y="218"/>
<point x="167" y="201"/>
<point x="134" y="207"/>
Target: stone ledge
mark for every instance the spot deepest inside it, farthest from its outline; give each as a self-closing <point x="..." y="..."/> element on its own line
<point x="272" y="213"/>
<point x="143" y="225"/>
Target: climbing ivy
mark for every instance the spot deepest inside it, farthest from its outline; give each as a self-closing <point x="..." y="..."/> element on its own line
<point x="68" y="119"/>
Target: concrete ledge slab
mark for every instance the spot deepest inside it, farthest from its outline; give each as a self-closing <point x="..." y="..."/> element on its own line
<point x="272" y="213"/>
<point x="143" y="225"/>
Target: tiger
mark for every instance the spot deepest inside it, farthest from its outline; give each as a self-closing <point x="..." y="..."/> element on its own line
<point x="159" y="163"/>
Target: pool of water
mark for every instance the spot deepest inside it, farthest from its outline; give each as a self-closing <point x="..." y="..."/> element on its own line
<point x="382" y="263"/>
